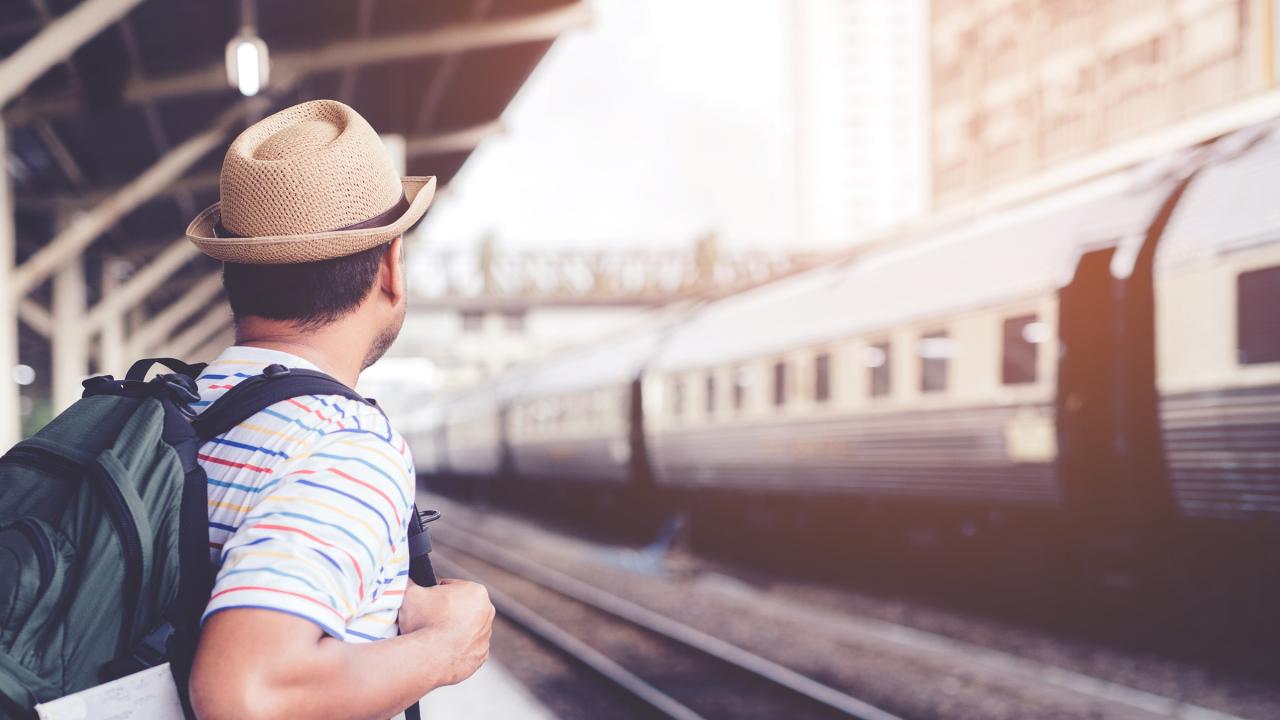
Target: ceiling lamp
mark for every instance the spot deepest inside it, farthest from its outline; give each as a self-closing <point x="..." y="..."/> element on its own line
<point x="248" y="66"/>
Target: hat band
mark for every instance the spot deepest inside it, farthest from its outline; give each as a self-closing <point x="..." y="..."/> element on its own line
<point x="383" y="218"/>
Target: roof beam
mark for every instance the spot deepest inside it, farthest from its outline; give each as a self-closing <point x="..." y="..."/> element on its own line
<point x="155" y="127"/>
<point x="214" y="345"/>
<point x="57" y="41"/>
<point x="85" y="228"/>
<point x="147" y="337"/>
<point x="216" y="320"/>
<point x="453" y="140"/>
<point x="426" y="117"/>
<point x="364" y="23"/>
<point x="446" y="142"/>
<point x="141" y="284"/>
<point x="344" y="54"/>
<point x="36" y="317"/>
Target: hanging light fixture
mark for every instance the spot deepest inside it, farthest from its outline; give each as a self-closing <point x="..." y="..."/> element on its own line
<point x="248" y="65"/>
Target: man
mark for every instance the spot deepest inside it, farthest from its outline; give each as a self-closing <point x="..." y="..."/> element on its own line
<point x="312" y="614"/>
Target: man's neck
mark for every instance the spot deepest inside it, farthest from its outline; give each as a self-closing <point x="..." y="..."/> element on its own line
<point x="323" y="348"/>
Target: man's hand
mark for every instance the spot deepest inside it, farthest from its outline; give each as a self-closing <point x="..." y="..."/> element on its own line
<point x="458" y="617"/>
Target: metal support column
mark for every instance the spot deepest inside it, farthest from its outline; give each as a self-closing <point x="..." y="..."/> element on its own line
<point x="112" y="359"/>
<point x="10" y="416"/>
<point x="70" y="342"/>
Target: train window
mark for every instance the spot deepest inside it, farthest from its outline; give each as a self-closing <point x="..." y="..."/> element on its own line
<point x="677" y="398"/>
<point x="877" y="361"/>
<point x="1022" y="335"/>
<point x="935" y="351"/>
<point x="779" y="384"/>
<point x="1257" y="323"/>
<point x="822" y="378"/>
<point x="740" y="383"/>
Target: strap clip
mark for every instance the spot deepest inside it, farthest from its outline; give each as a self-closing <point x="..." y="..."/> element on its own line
<point x="275" y="370"/>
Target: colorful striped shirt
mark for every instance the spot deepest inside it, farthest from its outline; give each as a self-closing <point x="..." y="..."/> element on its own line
<point x="308" y="505"/>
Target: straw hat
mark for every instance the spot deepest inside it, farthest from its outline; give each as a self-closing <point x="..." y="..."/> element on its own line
<point x="308" y="183"/>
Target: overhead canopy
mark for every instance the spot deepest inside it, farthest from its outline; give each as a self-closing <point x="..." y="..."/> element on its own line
<point x="437" y="73"/>
<point x="1231" y="202"/>
<point x="1020" y="252"/>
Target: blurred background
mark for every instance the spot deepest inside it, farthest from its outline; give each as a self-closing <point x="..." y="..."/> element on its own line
<point x="924" y="354"/>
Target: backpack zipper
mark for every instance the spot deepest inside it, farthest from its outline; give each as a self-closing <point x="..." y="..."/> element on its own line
<point x="43" y="548"/>
<point x="117" y="508"/>
<point x="41" y="459"/>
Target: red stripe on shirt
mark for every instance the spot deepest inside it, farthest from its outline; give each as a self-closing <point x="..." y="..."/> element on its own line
<point x="229" y="463"/>
<point x="317" y="413"/>
<point x="357" y="480"/>
<point x="240" y="588"/>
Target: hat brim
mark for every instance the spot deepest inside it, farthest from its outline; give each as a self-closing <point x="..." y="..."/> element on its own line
<point x="286" y="249"/>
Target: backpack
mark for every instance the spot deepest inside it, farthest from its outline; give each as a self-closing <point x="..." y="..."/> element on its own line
<point x="104" y="555"/>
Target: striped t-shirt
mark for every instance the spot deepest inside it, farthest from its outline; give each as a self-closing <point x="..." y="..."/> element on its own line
<point x="308" y="505"/>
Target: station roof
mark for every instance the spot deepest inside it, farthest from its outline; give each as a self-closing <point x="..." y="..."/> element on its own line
<point x="438" y="73"/>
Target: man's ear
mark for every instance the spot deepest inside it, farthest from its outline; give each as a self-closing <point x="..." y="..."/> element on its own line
<point x="391" y="273"/>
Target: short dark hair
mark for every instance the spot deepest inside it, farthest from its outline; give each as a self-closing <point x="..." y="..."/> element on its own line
<point x="310" y="294"/>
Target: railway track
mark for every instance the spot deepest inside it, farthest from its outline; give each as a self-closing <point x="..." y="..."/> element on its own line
<point x="671" y="669"/>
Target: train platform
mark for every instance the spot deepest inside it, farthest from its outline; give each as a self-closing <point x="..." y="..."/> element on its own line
<point x="491" y="694"/>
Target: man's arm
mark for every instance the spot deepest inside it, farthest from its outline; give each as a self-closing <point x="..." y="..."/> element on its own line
<point x="255" y="664"/>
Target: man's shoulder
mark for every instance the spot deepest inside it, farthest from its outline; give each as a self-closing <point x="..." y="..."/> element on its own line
<point x="355" y="431"/>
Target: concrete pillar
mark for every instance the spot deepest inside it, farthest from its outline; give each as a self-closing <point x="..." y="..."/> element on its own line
<point x="113" y="356"/>
<point x="70" y="342"/>
<point x="10" y="418"/>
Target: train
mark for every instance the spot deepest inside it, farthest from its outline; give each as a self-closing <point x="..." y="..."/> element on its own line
<point x="1102" y="363"/>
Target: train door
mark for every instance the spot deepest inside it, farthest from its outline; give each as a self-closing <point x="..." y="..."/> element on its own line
<point x="1088" y="377"/>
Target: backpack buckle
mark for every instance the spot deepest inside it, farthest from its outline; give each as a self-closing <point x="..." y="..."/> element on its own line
<point x="275" y="370"/>
<point x="181" y="387"/>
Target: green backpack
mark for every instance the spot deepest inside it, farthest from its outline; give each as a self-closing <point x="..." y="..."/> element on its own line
<point x="103" y="540"/>
<point x="104" y="536"/>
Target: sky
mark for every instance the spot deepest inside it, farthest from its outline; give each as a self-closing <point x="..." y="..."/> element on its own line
<point x="663" y="120"/>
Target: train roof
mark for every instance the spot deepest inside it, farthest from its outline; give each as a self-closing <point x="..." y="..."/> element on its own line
<point x="483" y="399"/>
<point x="607" y="361"/>
<point x="1020" y="252"/>
<point x="1231" y="202"/>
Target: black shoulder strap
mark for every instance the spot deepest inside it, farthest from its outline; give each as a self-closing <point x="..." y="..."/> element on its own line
<point x="250" y="396"/>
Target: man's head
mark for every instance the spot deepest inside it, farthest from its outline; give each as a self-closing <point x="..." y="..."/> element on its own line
<point x="366" y="287"/>
<point x="310" y="224"/>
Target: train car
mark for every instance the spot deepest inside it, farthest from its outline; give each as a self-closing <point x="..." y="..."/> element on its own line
<point x="423" y="430"/>
<point x="572" y="421"/>
<point x="1105" y="359"/>
<point x="475" y="431"/>
<point x="922" y="374"/>
<point x="574" y="435"/>
<point x="1217" y="338"/>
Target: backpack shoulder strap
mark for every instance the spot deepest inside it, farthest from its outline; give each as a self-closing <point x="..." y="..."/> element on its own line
<point x="252" y="395"/>
<point x="138" y="371"/>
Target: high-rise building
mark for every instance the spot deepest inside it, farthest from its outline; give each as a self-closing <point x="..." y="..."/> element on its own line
<point x="1021" y="89"/>
<point x="861" y="106"/>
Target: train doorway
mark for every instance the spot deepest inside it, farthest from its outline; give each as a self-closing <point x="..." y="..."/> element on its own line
<point x="1088" y="378"/>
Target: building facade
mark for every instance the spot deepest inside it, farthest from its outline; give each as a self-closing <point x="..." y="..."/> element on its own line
<point x="1020" y="88"/>
<point x="860" y="111"/>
